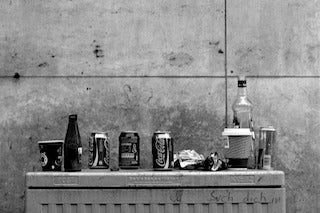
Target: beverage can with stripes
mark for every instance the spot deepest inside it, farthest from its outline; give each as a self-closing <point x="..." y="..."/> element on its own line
<point x="162" y="150"/>
<point x="99" y="150"/>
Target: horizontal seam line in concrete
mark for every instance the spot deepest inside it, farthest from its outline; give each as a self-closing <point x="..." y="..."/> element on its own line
<point x="160" y="76"/>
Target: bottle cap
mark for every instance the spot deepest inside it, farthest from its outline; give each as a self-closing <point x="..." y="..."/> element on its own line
<point x="73" y="117"/>
<point x="242" y="81"/>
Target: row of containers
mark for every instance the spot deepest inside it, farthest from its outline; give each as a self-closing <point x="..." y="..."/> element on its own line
<point x="238" y="148"/>
<point x="54" y="152"/>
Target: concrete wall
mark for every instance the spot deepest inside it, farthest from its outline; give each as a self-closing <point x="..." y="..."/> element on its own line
<point x="148" y="65"/>
<point x="277" y="43"/>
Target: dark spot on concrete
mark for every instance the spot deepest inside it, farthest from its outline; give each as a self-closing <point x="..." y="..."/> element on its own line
<point x="178" y="59"/>
<point x="122" y="10"/>
<point x="172" y="58"/>
<point x="214" y="43"/>
<point x="22" y="196"/>
<point x="220" y="51"/>
<point x="42" y="65"/>
<point x="127" y="87"/>
<point x="231" y="71"/>
<point x="311" y="59"/>
<point x="88" y="88"/>
<point x="16" y="76"/>
<point x="52" y="56"/>
<point x="14" y="55"/>
<point x="98" y="52"/>
<point x="150" y="97"/>
<point x="81" y="73"/>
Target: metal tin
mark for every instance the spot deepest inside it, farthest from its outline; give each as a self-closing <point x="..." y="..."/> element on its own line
<point x="99" y="150"/>
<point x="129" y="150"/>
<point x="267" y="148"/>
<point x="51" y="155"/>
<point x="162" y="150"/>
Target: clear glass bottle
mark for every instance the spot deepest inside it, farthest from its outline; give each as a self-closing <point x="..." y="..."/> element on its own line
<point x="72" y="146"/>
<point x="242" y="116"/>
<point x="242" y="107"/>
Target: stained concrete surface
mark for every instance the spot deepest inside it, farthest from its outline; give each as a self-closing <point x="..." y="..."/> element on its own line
<point x="37" y="110"/>
<point x="112" y="38"/>
<point x="277" y="44"/>
<point x="96" y="59"/>
<point x="273" y="38"/>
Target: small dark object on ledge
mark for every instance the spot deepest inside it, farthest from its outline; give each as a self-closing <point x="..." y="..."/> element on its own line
<point x="213" y="163"/>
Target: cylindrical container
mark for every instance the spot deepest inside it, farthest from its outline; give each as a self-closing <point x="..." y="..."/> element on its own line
<point x="239" y="145"/>
<point x="99" y="150"/>
<point x="129" y="150"/>
<point x="162" y="150"/>
<point x="267" y="148"/>
<point x="51" y="155"/>
<point x="72" y="146"/>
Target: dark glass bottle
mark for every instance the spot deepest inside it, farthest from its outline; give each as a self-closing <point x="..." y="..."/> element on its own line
<point x="72" y="146"/>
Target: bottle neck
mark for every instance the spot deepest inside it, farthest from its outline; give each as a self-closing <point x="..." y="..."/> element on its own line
<point x="242" y="91"/>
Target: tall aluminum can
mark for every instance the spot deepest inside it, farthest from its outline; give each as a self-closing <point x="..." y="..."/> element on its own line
<point x="267" y="148"/>
<point x="99" y="150"/>
<point x="162" y="150"/>
<point x="129" y="150"/>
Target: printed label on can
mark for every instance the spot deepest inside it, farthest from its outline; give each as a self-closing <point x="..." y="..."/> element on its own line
<point x="129" y="150"/>
<point x="91" y="150"/>
<point x="161" y="152"/>
<point x="99" y="150"/>
<point x="44" y="159"/>
<point x="106" y="158"/>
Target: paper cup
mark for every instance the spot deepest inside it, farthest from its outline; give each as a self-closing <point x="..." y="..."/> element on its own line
<point x="238" y="148"/>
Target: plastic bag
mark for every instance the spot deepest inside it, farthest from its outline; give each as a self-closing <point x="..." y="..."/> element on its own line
<point x="188" y="159"/>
